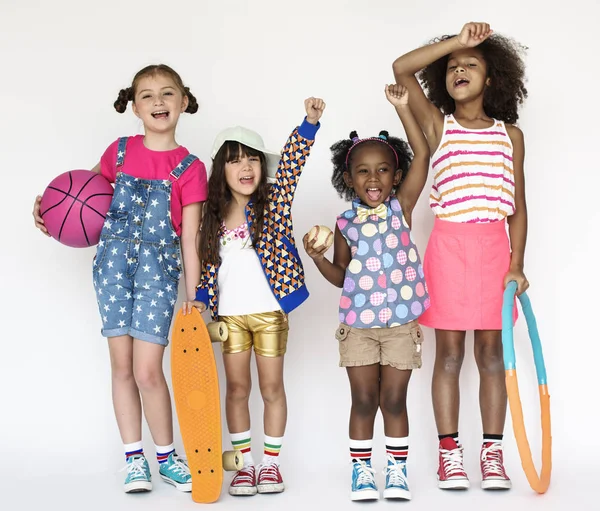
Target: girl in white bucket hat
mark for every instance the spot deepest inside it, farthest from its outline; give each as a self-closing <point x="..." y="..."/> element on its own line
<point x="252" y="277"/>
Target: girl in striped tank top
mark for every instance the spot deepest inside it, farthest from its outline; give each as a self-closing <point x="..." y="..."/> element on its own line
<point x="475" y="84"/>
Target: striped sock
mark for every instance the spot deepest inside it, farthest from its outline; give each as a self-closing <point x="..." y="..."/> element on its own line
<point x="454" y="436"/>
<point x="361" y="450"/>
<point x="134" y="449"/>
<point x="241" y="442"/>
<point x="492" y="439"/>
<point x="163" y="452"/>
<point x="272" y="449"/>
<point x="397" y="447"/>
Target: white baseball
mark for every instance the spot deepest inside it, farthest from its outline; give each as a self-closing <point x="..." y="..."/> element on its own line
<point x="322" y="234"/>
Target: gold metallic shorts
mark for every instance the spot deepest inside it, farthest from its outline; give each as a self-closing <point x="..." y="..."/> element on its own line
<point x="267" y="332"/>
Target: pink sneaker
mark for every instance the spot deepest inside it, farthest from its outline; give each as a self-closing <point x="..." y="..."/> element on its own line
<point x="493" y="475"/>
<point x="244" y="482"/>
<point x="451" y="472"/>
<point x="269" y="478"/>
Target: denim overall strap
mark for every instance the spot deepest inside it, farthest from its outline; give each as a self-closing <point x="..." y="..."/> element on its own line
<point x="121" y="151"/>
<point x="183" y="166"/>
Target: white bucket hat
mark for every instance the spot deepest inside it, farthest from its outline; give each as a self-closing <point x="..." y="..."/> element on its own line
<point x="251" y="139"/>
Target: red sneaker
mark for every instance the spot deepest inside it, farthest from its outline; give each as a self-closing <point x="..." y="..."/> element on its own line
<point x="269" y="478"/>
<point x="244" y="482"/>
<point x="493" y="475"/>
<point x="451" y="472"/>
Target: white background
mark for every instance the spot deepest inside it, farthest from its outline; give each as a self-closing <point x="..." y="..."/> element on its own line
<point x="253" y="63"/>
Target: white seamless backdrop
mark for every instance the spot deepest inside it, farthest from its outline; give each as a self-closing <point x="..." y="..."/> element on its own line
<point x="253" y="63"/>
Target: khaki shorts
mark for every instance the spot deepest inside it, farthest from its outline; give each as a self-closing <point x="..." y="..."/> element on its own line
<point x="267" y="332"/>
<point x="399" y="346"/>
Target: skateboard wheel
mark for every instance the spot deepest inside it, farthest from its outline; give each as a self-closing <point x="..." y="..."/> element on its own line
<point x="233" y="461"/>
<point x="218" y="331"/>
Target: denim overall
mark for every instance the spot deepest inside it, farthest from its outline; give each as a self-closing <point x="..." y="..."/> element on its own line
<point x="138" y="260"/>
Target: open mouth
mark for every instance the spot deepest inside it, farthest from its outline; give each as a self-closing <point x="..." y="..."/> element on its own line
<point x="461" y="82"/>
<point x="247" y="180"/>
<point x="374" y="194"/>
<point x="162" y="114"/>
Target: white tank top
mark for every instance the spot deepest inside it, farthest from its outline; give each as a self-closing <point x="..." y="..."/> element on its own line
<point x="243" y="286"/>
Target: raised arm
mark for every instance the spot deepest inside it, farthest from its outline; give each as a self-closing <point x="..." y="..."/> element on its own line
<point x="407" y="66"/>
<point x="412" y="186"/>
<point x="297" y="149"/>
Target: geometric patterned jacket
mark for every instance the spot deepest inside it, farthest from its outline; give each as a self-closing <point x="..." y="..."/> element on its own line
<point x="276" y="248"/>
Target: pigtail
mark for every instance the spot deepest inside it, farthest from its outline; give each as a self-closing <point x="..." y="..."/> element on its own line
<point x="125" y="96"/>
<point x="192" y="102"/>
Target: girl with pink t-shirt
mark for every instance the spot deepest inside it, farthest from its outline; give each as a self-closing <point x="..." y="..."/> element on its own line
<point x="148" y="237"/>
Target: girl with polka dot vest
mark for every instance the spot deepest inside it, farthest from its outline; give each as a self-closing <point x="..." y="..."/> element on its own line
<point x="377" y="265"/>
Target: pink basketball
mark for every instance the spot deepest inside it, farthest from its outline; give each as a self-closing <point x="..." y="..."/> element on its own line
<point x="74" y="206"/>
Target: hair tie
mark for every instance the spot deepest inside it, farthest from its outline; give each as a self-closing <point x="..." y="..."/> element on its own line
<point x="382" y="137"/>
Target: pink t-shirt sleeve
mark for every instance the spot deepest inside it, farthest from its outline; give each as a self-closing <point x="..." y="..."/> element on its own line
<point x="193" y="184"/>
<point x="108" y="162"/>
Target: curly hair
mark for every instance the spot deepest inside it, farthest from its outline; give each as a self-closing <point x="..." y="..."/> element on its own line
<point x="128" y="94"/>
<point x="505" y="68"/>
<point x="340" y="151"/>
<point x="219" y="199"/>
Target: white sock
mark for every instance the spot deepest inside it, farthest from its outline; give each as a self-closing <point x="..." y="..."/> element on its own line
<point x="272" y="449"/>
<point x="163" y="452"/>
<point x="242" y="442"/>
<point x="397" y="447"/>
<point x="133" y="449"/>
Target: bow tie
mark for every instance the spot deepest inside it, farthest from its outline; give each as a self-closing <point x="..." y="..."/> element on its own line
<point x="364" y="213"/>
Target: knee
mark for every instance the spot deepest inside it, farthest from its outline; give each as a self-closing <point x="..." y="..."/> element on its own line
<point x="238" y="391"/>
<point x="393" y="403"/>
<point x="365" y="403"/>
<point x="122" y="372"/>
<point x="489" y="358"/>
<point x="148" y="379"/>
<point x="272" y="392"/>
<point x="450" y="362"/>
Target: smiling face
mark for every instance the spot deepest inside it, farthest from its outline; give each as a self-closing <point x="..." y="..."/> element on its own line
<point x="158" y="102"/>
<point x="243" y="169"/>
<point x="373" y="172"/>
<point x="466" y="74"/>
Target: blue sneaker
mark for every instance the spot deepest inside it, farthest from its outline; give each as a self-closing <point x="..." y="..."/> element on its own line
<point x="396" y="483"/>
<point x="363" y="481"/>
<point x="138" y="475"/>
<point x="176" y="472"/>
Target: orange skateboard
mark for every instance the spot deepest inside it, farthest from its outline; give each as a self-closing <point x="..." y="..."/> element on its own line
<point x="198" y="404"/>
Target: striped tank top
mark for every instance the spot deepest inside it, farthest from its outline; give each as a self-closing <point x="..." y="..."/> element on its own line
<point x="473" y="177"/>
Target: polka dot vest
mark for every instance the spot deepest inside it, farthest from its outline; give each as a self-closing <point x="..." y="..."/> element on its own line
<point x="384" y="284"/>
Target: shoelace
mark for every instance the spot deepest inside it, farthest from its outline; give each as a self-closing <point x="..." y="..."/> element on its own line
<point x="395" y="473"/>
<point x="453" y="463"/>
<point x="245" y="476"/>
<point x="135" y="469"/>
<point x="179" y="467"/>
<point x="366" y="474"/>
<point x="268" y="471"/>
<point x="491" y="458"/>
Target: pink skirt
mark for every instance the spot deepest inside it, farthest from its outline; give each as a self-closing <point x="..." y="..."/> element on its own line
<point x="464" y="266"/>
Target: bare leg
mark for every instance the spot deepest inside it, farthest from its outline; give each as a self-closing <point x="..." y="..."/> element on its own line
<point x="449" y="355"/>
<point x="150" y="379"/>
<point x="125" y="393"/>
